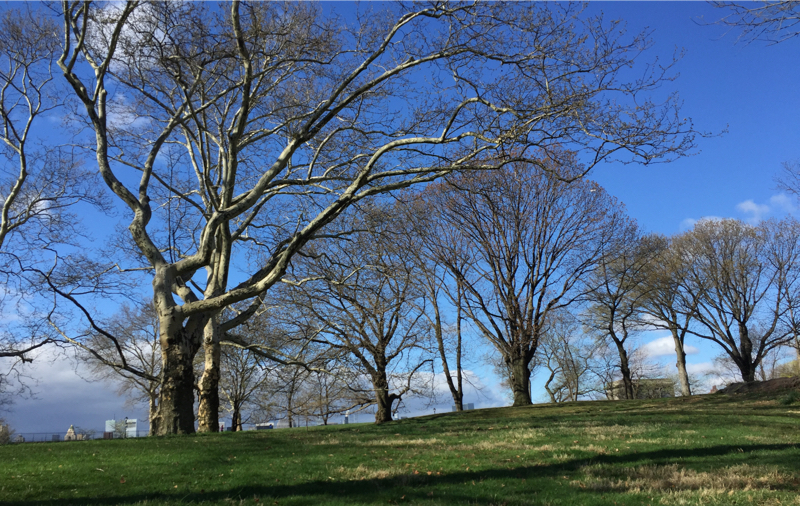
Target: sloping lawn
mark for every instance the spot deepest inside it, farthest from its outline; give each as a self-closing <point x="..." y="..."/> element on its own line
<point x="703" y="450"/>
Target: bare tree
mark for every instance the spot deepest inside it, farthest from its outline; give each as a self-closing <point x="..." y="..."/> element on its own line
<point x="533" y="239"/>
<point x="243" y="375"/>
<point x="567" y="355"/>
<point x="439" y="255"/>
<point x="745" y="282"/>
<point x="773" y="21"/>
<point x="39" y="185"/>
<point x="666" y="302"/>
<point x="617" y="290"/>
<point x="325" y="394"/>
<point x="136" y="329"/>
<point x="288" y="115"/>
<point x="364" y="299"/>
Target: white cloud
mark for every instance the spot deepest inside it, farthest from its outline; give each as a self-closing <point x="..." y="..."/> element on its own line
<point x="691" y="222"/>
<point x="777" y="204"/>
<point x="700" y="368"/>
<point x="755" y="212"/>
<point x="783" y="202"/>
<point x="664" y="346"/>
<point x="475" y="392"/>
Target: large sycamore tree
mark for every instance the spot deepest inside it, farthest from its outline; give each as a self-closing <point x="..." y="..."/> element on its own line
<point x="234" y="133"/>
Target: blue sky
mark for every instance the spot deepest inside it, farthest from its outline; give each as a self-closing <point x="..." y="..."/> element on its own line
<point x="744" y="95"/>
<point x="748" y="89"/>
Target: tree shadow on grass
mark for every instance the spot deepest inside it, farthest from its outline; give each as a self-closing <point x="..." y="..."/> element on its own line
<point x="525" y="480"/>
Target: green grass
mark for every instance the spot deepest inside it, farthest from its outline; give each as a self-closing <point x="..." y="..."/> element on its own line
<point x="709" y="450"/>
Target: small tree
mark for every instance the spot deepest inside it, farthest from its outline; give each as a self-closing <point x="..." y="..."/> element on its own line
<point x="440" y="255"/>
<point x="616" y="293"/>
<point x="666" y="301"/>
<point x="567" y="358"/>
<point x="362" y="295"/>
<point x="136" y="344"/>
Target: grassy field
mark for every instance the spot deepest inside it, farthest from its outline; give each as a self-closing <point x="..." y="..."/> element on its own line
<point x="701" y="450"/>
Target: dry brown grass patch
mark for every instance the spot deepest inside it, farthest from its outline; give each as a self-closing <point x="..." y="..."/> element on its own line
<point x="363" y="472"/>
<point x="672" y="477"/>
<point x="400" y="442"/>
<point x="602" y="450"/>
<point x="602" y="432"/>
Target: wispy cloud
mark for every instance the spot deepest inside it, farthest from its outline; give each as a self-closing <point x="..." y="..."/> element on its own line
<point x="783" y="203"/>
<point x="776" y="205"/>
<point x="754" y="212"/>
<point x="691" y="222"/>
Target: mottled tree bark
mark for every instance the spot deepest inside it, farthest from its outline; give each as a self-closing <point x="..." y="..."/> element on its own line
<point x="208" y="410"/>
<point x="176" y="399"/>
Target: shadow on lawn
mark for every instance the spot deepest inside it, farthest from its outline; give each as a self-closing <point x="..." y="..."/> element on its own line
<point x="457" y="489"/>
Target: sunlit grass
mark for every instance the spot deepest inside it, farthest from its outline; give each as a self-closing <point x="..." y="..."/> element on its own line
<point x="710" y="450"/>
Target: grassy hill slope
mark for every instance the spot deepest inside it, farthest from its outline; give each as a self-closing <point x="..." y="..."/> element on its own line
<point x="701" y="450"/>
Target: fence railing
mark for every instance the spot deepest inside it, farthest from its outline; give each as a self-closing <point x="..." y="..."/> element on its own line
<point x="59" y="437"/>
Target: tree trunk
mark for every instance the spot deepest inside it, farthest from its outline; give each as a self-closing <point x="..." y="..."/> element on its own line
<point x="625" y="370"/>
<point x="459" y="371"/>
<point x="683" y="376"/>
<point x="454" y="392"/>
<point x="152" y="413"/>
<point x="745" y="362"/>
<point x="290" y="401"/>
<point x="176" y="397"/>
<point x="236" y="417"/>
<point x="520" y="381"/>
<point x="208" y="411"/>
<point x="747" y="369"/>
<point x="382" y="398"/>
<point x="547" y="387"/>
<point x="575" y="384"/>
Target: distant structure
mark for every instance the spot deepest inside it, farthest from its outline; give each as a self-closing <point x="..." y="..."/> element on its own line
<point x="71" y="436"/>
<point x="121" y="428"/>
<point x="655" y="388"/>
<point x="466" y="407"/>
